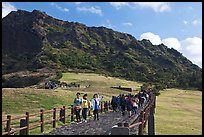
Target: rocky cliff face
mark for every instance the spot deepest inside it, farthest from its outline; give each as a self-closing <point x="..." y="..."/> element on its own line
<point x="34" y="40"/>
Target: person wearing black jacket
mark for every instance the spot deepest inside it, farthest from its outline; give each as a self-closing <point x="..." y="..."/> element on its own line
<point x="122" y="104"/>
<point x="140" y="94"/>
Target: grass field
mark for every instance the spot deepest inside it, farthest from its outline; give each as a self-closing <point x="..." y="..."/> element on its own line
<point x="17" y="101"/>
<point x="177" y="111"/>
<point x="97" y="80"/>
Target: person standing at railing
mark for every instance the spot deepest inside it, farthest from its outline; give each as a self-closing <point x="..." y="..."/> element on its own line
<point x="95" y="105"/>
<point x="140" y="95"/>
<point x="77" y="106"/>
<point x="85" y="106"/>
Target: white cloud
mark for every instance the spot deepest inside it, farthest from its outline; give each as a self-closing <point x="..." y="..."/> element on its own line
<point x="197" y="22"/>
<point x="118" y="5"/>
<point x="172" y="43"/>
<point x="127" y="24"/>
<point x="191" y="48"/>
<point x="154" y="39"/>
<point x="95" y="10"/>
<point x="7" y="7"/>
<point x="78" y="3"/>
<point x="193" y="22"/>
<point x="185" y="22"/>
<point x="59" y="7"/>
<point x="156" y="6"/>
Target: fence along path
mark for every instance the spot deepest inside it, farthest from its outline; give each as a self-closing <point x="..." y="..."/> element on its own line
<point x="108" y="121"/>
<point x="102" y="126"/>
<point x="40" y="119"/>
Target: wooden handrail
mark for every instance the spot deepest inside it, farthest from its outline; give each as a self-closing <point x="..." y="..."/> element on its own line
<point x="27" y="116"/>
<point x="136" y="124"/>
<point x="31" y="115"/>
<point x="18" y="129"/>
<point x="4" y="120"/>
<point x="18" y="117"/>
<point x="35" y="125"/>
<point x="42" y="122"/>
<point x="48" y="111"/>
<point x="4" y="133"/>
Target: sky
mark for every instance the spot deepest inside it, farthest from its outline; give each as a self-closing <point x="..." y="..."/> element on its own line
<point x="177" y="25"/>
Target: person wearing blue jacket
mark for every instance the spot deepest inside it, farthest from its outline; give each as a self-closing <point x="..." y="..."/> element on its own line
<point x="77" y="106"/>
<point x="95" y="105"/>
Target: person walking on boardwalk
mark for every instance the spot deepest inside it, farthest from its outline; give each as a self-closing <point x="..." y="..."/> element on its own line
<point x="135" y="104"/>
<point x="114" y="103"/>
<point x="129" y="105"/>
<point x="77" y="106"/>
<point x="95" y="105"/>
<point x="106" y="106"/>
<point x="85" y="106"/>
<point x="140" y="97"/>
<point x="123" y="104"/>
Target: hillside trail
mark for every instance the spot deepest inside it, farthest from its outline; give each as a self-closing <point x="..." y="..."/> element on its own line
<point x="99" y="127"/>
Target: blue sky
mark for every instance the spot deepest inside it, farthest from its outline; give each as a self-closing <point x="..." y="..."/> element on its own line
<point x="176" y="24"/>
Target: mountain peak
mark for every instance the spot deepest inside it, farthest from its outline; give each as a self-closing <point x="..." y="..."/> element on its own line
<point x="70" y="45"/>
<point x="39" y="12"/>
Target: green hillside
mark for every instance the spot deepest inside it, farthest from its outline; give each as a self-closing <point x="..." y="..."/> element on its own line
<point x="17" y="101"/>
<point x="46" y="42"/>
<point x="177" y="111"/>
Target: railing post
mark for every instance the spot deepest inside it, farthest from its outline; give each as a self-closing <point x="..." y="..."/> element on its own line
<point x="63" y="120"/>
<point x="141" y="126"/>
<point x="151" y="121"/>
<point x="8" y="124"/>
<point x="54" y="118"/>
<point x="27" y="123"/>
<point x="23" y="124"/>
<point x="154" y="100"/>
<point x="72" y="113"/>
<point x="145" y="116"/>
<point x="42" y="120"/>
<point x="61" y="114"/>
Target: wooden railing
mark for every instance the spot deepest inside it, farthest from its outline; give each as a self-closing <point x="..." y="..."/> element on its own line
<point x="26" y="126"/>
<point x="139" y="121"/>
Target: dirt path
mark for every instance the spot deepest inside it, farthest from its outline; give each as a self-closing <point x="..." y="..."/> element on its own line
<point x="100" y="127"/>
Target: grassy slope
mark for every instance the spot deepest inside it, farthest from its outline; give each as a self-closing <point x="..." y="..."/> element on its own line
<point x="97" y="80"/>
<point x="20" y="100"/>
<point x="17" y="101"/>
<point x="179" y="112"/>
<point x="174" y="115"/>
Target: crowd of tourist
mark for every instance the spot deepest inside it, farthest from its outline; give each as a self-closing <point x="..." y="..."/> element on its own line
<point x="122" y="103"/>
